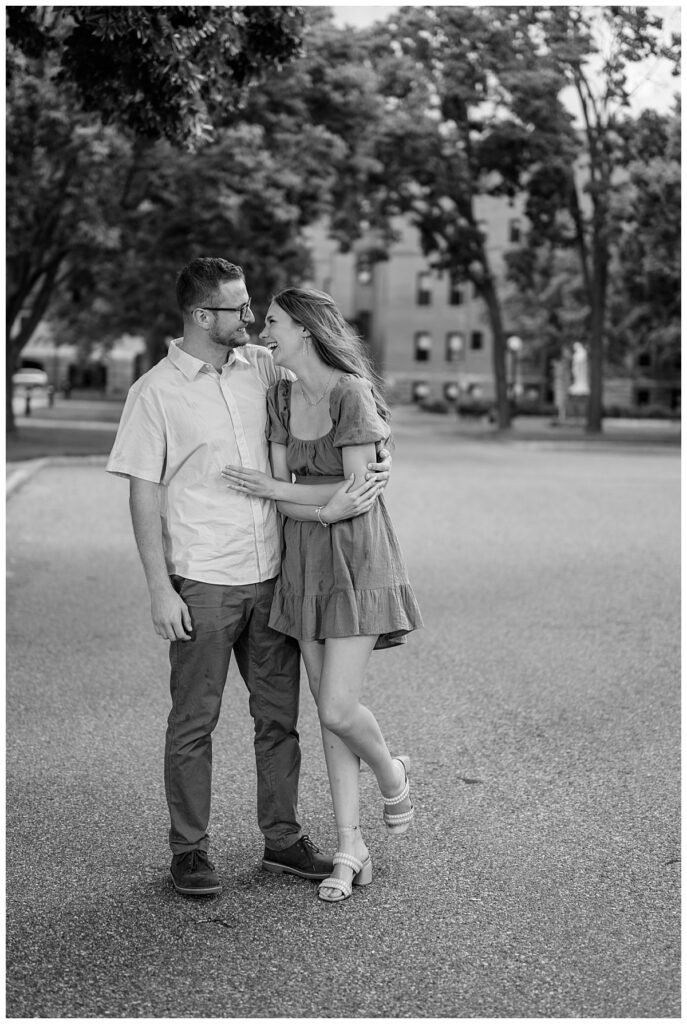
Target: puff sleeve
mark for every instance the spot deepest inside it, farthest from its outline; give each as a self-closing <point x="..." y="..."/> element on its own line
<point x="277" y="413"/>
<point x="354" y="414"/>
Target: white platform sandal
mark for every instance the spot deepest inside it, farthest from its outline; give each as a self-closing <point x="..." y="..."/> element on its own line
<point x="398" y="824"/>
<point x="362" y="875"/>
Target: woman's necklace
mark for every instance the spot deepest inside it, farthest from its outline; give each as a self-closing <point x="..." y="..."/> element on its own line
<point x="313" y="404"/>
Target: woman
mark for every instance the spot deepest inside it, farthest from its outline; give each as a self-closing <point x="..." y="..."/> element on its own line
<point x="344" y="589"/>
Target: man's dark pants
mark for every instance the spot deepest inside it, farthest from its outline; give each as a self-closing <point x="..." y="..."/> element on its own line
<point x="225" y="619"/>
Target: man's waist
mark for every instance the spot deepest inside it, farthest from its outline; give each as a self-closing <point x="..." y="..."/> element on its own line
<point x="227" y="568"/>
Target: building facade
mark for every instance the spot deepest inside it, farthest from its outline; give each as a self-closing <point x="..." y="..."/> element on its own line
<point x="431" y="338"/>
<point x="429" y="334"/>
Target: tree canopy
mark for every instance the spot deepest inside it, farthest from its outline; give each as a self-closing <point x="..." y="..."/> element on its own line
<point x="160" y="72"/>
<point x="138" y="138"/>
<point x="473" y="106"/>
<point x="89" y="91"/>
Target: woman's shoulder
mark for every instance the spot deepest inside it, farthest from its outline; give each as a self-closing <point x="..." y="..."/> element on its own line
<point x="351" y="382"/>
<point x="279" y="401"/>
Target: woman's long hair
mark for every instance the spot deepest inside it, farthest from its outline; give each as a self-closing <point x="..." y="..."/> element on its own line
<point x="334" y="340"/>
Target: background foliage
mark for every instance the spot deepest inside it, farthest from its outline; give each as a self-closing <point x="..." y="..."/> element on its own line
<point x="139" y="137"/>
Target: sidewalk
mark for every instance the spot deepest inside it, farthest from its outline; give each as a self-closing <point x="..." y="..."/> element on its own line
<point x="85" y="427"/>
<point x="82" y="426"/>
<point x="541" y="430"/>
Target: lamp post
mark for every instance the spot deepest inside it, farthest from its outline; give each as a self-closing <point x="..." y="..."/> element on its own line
<point x="514" y="344"/>
<point x="455" y="352"/>
<point x="364" y="273"/>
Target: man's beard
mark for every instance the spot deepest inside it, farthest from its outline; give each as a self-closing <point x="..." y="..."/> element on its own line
<point x="230" y="341"/>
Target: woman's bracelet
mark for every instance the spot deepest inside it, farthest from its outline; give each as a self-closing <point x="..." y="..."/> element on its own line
<point x="319" y="517"/>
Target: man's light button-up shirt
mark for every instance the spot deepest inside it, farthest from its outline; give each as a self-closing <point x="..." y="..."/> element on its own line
<point x="182" y="422"/>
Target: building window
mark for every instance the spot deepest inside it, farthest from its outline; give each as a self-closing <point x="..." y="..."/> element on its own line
<point x="421" y="390"/>
<point x="424" y="289"/>
<point x="514" y="232"/>
<point x="642" y="396"/>
<point x="644" y="359"/>
<point x="455" y="343"/>
<point x="364" y="272"/>
<point x="455" y="295"/>
<point x="476" y="341"/>
<point x="423" y="347"/>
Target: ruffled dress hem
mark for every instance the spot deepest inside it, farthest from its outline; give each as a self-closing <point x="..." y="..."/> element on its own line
<point x="388" y="613"/>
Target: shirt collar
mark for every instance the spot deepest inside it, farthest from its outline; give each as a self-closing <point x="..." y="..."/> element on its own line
<point x="191" y="366"/>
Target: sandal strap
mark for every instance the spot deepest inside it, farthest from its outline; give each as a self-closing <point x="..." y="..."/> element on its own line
<point x="348" y="861"/>
<point x="336" y="883"/>
<point x="399" y="819"/>
<point x="391" y="800"/>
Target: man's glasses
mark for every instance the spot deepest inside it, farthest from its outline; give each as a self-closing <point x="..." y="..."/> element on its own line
<point x="241" y="310"/>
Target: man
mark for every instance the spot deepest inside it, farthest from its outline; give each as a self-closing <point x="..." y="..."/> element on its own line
<point x="210" y="557"/>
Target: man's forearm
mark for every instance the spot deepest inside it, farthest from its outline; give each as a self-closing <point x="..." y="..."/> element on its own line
<point x="145" y="517"/>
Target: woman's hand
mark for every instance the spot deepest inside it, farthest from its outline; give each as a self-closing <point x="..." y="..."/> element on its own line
<point x="346" y="503"/>
<point x="250" y="481"/>
<point x="381" y="469"/>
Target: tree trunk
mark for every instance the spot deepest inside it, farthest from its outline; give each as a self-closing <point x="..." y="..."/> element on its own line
<point x="10" y="425"/>
<point x="35" y="299"/>
<point x="156" y="348"/>
<point x="594" y="423"/>
<point x="503" y="413"/>
<point x="13" y="347"/>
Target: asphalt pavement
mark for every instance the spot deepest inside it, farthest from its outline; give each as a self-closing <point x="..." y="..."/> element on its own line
<point x="539" y="706"/>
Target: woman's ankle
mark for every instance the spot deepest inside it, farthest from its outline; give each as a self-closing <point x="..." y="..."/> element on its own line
<point x="350" y="839"/>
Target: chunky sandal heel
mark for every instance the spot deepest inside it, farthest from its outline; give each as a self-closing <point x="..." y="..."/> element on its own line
<point x="398" y="824"/>
<point x="362" y="875"/>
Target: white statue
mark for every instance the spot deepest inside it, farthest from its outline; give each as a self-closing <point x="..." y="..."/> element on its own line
<point x="580" y="378"/>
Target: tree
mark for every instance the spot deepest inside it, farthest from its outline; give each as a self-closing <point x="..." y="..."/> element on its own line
<point x="473" y="106"/>
<point x="470" y="109"/>
<point x="645" y="297"/>
<point x="288" y="158"/>
<point x="160" y="72"/>
<point x="573" y="40"/>
<point x="546" y="301"/>
<point x="231" y="198"/>
<point x="65" y="177"/>
<point x="88" y="89"/>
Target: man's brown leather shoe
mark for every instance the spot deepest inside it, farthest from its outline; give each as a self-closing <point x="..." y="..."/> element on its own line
<point x="302" y="859"/>
<point x="194" y="875"/>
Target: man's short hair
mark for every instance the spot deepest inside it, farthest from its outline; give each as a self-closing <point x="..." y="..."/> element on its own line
<point x="200" y="280"/>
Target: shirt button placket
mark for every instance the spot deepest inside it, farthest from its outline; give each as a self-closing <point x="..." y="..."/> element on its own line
<point x="241" y="443"/>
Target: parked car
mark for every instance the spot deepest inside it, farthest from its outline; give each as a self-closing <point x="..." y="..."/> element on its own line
<point x="30" y="378"/>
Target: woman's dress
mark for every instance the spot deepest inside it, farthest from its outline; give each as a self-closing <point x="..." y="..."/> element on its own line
<point x="348" y="579"/>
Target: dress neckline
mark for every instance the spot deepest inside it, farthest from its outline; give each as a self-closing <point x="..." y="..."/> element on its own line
<point x="309" y="440"/>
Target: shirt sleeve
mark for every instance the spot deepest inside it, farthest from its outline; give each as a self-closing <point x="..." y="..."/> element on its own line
<point x="275" y="429"/>
<point x="354" y="414"/>
<point x="140" y="447"/>
<point x="269" y="372"/>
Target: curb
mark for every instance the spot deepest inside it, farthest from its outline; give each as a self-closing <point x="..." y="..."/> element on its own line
<point x="15" y="480"/>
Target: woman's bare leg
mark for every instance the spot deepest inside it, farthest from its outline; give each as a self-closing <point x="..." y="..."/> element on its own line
<point x="343" y="673"/>
<point x="350" y="732"/>
<point x="343" y="770"/>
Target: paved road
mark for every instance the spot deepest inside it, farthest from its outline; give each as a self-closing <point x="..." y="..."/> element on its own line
<point x="540" y="706"/>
